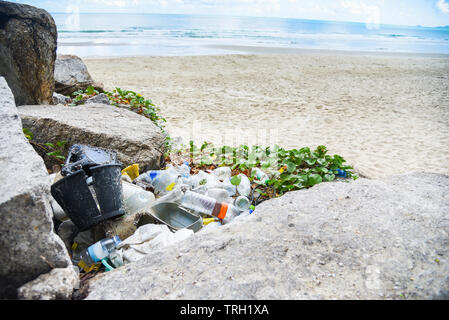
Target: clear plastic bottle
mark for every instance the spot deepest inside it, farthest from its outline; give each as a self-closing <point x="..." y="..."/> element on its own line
<point x="244" y="188"/>
<point x="184" y="170"/>
<point x="207" y="205"/>
<point x="135" y="198"/>
<point x="148" y="176"/>
<point x="165" y="181"/>
<point x="222" y="173"/>
<point x="97" y="252"/>
<point x="242" y="203"/>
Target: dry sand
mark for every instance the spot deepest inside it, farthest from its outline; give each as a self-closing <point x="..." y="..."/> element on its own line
<point x="384" y="114"/>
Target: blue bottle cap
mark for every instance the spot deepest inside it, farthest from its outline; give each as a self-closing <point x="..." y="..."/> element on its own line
<point x="153" y="174"/>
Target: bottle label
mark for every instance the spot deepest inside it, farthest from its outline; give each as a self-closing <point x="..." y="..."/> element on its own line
<point x="220" y="210"/>
<point x="170" y="186"/>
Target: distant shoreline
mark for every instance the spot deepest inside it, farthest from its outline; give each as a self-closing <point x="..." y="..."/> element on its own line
<point x="265" y="50"/>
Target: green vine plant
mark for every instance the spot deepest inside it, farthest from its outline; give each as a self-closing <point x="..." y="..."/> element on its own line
<point x="54" y="150"/>
<point x="286" y="169"/>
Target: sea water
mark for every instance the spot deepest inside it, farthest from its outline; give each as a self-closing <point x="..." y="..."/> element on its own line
<point x="94" y="34"/>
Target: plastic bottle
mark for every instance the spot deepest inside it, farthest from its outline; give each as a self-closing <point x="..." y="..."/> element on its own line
<point x="148" y="176"/>
<point x="259" y="175"/>
<point x="219" y="194"/>
<point x="98" y="251"/>
<point x="207" y="205"/>
<point x="244" y="188"/>
<point x="242" y="203"/>
<point x="165" y="181"/>
<point x="222" y="173"/>
<point x="228" y="186"/>
<point x="136" y="198"/>
<point x="184" y="170"/>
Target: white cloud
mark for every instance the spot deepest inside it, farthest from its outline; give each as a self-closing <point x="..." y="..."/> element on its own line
<point x="370" y="13"/>
<point x="443" y="6"/>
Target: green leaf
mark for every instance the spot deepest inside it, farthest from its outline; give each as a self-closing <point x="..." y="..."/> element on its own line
<point x="329" y="177"/>
<point x="61" y="143"/>
<point x="28" y="134"/>
<point x="235" y="180"/>
<point x="54" y="153"/>
<point x="51" y="145"/>
<point x="291" y="166"/>
<point x="314" y="179"/>
<point x="310" y="162"/>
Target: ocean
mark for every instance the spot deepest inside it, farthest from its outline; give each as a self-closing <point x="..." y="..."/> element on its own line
<point x="89" y="34"/>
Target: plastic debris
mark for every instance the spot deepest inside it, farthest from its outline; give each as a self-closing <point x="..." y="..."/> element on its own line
<point x="98" y="252"/>
<point x="147" y="239"/>
<point x="132" y="171"/>
<point x="136" y="199"/>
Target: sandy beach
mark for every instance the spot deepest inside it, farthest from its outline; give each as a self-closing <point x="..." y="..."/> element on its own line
<point x="385" y="114"/>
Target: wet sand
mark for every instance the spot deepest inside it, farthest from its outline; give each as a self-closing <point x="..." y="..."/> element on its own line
<point x="384" y="113"/>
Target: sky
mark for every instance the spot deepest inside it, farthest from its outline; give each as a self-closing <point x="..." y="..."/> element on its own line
<point x="429" y="13"/>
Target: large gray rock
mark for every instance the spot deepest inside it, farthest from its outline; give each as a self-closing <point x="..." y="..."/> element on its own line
<point x="366" y="239"/>
<point x="135" y="138"/>
<point x="58" y="284"/>
<point x="27" y="52"/>
<point x="28" y="245"/>
<point x="71" y="75"/>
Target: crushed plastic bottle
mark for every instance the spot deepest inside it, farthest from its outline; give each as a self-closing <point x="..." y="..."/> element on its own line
<point x="135" y="198"/>
<point x="207" y="205"/>
<point x="222" y="173"/>
<point x="244" y="188"/>
<point x="96" y="252"/>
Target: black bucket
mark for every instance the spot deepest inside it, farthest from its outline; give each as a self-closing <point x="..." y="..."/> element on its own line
<point x="88" y="205"/>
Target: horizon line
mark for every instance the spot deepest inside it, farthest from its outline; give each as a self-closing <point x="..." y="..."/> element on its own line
<point x="228" y="15"/>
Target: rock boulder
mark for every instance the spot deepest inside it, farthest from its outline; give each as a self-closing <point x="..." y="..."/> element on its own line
<point x="28" y="245"/>
<point x="135" y="138"/>
<point x="368" y="239"/>
<point x="71" y="75"/>
<point x="27" y="52"/>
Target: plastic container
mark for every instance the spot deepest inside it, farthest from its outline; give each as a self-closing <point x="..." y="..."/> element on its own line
<point x="219" y="194"/>
<point x="207" y="205"/>
<point x="222" y="173"/>
<point x="244" y="188"/>
<point x="135" y="198"/>
<point x="164" y="181"/>
<point x="98" y="251"/>
<point x="176" y="218"/>
<point x="88" y="205"/>
<point x="242" y="203"/>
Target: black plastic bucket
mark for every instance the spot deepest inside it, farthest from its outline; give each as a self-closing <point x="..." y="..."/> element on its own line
<point x="88" y="205"/>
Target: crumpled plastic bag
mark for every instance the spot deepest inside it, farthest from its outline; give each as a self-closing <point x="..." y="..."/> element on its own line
<point x="149" y="238"/>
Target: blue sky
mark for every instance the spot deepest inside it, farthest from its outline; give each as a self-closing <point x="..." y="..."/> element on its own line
<point x="401" y="12"/>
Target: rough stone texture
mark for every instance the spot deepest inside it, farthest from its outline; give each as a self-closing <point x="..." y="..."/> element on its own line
<point x="99" y="98"/>
<point x="27" y="52"/>
<point x="135" y="138"/>
<point x="71" y="75"/>
<point x="58" y="284"/>
<point x="60" y="99"/>
<point x="368" y="239"/>
<point x="28" y="244"/>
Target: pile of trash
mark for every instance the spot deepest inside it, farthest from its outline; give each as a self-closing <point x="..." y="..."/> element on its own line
<point x="108" y="217"/>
